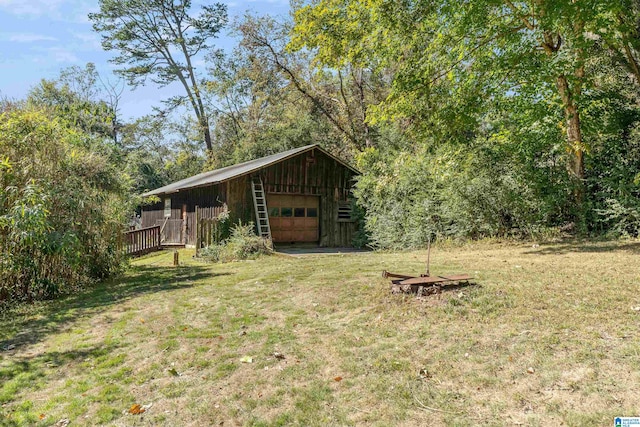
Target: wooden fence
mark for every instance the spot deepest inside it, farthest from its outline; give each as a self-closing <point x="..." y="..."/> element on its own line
<point x="208" y="230"/>
<point x="208" y="233"/>
<point x="142" y="241"/>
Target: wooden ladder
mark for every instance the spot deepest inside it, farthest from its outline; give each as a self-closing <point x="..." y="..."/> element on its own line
<point x="260" y="205"/>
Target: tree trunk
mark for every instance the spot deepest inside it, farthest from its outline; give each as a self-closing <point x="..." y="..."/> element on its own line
<point x="206" y="131"/>
<point x="574" y="135"/>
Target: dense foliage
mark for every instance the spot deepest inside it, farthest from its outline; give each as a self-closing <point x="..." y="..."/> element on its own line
<point x="61" y="207"/>
<point x="502" y="117"/>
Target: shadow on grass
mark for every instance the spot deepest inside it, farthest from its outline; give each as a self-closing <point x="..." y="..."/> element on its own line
<point x="36" y="366"/>
<point x="462" y="285"/>
<point x="18" y="329"/>
<point x="585" y="247"/>
<point x="26" y="374"/>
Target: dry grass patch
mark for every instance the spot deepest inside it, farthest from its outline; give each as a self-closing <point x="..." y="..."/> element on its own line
<point x="548" y="336"/>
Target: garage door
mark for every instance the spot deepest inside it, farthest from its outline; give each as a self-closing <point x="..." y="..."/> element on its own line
<point x="293" y="218"/>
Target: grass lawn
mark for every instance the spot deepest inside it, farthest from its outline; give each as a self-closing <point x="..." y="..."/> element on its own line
<point x="549" y="336"/>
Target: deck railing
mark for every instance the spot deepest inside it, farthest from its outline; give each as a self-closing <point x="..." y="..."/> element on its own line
<point x="142" y="241"/>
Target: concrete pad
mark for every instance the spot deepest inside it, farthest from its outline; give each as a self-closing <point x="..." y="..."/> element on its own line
<point x="306" y="250"/>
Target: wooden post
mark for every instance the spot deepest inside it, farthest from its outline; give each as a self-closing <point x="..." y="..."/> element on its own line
<point x="198" y="232"/>
<point x="175" y="259"/>
<point x="183" y="230"/>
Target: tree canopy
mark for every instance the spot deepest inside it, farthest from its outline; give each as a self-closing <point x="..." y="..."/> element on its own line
<point x="530" y="82"/>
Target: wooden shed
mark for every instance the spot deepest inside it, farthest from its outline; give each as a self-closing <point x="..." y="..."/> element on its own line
<point x="297" y="196"/>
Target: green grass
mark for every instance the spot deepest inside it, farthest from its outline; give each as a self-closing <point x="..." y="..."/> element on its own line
<point x="459" y="358"/>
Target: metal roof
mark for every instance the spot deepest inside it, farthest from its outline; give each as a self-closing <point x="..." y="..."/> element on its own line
<point x="229" y="172"/>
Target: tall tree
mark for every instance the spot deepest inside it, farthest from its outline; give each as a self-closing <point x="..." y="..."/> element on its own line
<point x="342" y="97"/>
<point x="260" y="112"/>
<point x="158" y="39"/>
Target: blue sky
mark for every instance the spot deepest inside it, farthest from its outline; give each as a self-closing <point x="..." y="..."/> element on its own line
<point x="38" y="38"/>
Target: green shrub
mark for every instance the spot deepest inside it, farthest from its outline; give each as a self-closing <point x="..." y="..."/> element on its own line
<point x="621" y="220"/>
<point x="62" y="208"/>
<point x="412" y="197"/>
<point x="243" y="243"/>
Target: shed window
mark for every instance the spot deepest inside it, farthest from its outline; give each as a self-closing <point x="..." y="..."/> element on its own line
<point x="287" y="212"/>
<point x="274" y="212"/>
<point x="345" y="211"/>
<point x="298" y="212"/>
<point x="312" y="212"/>
<point x="167" y="207"/>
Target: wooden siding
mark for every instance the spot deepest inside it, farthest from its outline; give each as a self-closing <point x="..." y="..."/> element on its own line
<point x="315" y="173"/>
<point x="240" y="200"/>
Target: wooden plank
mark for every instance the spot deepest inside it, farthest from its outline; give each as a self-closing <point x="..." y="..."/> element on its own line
<point x="183" y="226"/>
<point x="435" y="279"/>
<point x="198" y="234"/>
<point x="457" y="277"/>
<point x="423" y="280"/>
<point x="386" y="274"/>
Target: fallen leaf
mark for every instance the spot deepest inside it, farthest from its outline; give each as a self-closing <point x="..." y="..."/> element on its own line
<point x="424" y="374"/>
<point x="42" y="416"/>
<point x="246" y="359"/>
<point x="185" y="328"/>
<point x="136" y="409"/>
<point x="530" y="370"/>
<point x="141" y="320"/>
<point x="278" y="355"/>
<point x="62" y="423"/>
<point x="337" y="379"/>
<point x="173" y="372"/>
